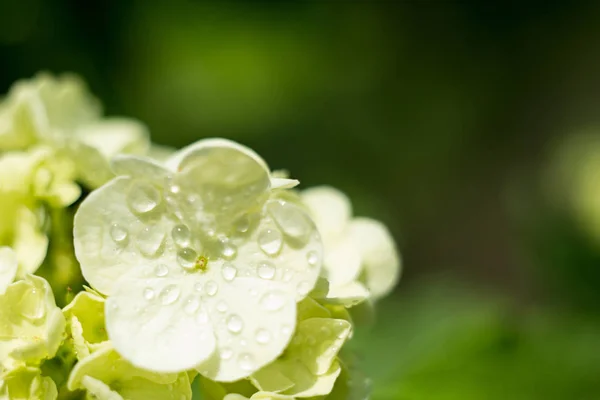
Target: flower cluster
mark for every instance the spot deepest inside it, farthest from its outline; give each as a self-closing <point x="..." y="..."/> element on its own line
<point x="200" y="265"/>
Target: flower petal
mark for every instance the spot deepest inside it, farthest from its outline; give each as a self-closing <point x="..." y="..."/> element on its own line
<point x="253" y="321"/>
<point x="207" y="145"/>
<point x="30" y="243"/>
<point x="348" y="295"/>
<point x="342" y="262"/>
<point x="284" y="247"/>
<point x="32" y="324"/>
<point x="283" y="183"/>
<point x="157" y="321"/>
<point x="221" y="180"/>
<point x="138" y="167"/>
<point x="120" y="225"/>
<point x="25" y="383"/>
<point x="317" y="342"/>
<point x="85" y="316"/>
<point x="380" y="258"/>
<point x="8" y="267"/>
<point x="112" y="136"/>
<point x="112" y="376"/>
<point x="331" y="210"/>
<point x="99" y="390"/>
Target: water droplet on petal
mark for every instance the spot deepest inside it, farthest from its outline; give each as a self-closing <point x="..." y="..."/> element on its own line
<point x="243" y="224"/>
<point x="325" y="331"/>
<point x="291" y="220"/>
<point x="198" y="287"/>
<point x="169" y="294"/>
<point x="229" y="272"/>
<point x="161" y="270"/>
<point x="303" y="288"/>
<point x="263" y="336"/>
<point x="246" y="362"/>
<point x="313" y="258"/>
<point x="234" y="323"/>
<point x="32" y="305"/>
<point x="286" y="330"/>
<point x="226" y="353"/>
<point x="272" y="301"/>
<point x="187" y="258"/>
<point x="181" y="235"/>
<point x="143" y="198"/>
<point x="221" y="306"/>
<point x="228" y="249"/>
<point x="118" y="233"/>
<point x="211" y="288"/>
<point x="270" y="241"/>
<point x="148" y="293"/>
<point x="191" y="305"/>
<point x="150" y="240"/>
<point x="265" y="270"/>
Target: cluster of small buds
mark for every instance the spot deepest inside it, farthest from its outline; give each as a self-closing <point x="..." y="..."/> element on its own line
<point x="202" y="267"/>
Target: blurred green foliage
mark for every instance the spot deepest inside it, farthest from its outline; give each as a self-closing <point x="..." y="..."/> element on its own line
<point x="435" y="117"/>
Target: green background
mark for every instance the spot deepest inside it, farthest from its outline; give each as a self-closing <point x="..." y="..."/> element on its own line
<point x="437" y="117"/>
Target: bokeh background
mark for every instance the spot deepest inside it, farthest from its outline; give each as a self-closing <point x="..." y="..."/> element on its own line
<point x="470" y="128"/>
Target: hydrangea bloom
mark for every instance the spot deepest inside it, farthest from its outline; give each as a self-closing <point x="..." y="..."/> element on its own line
<point x="30" y="181"/>
<point x="59" y="112"/>
<point x="361" y="260"/>
<point x="202" y="264"/>
<point x="309" y="366"/>
<point x="32" y="325"/>
<point x="27" y="383"/>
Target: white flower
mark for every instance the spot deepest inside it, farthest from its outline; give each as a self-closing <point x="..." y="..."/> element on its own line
<point x="202" y="267"/>
<point x="361" y="260"/>
<point x="61" y="113"/>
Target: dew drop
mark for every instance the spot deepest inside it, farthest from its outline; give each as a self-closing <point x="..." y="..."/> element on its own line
<point x="191" y="305"/>
<point x="272" y="301"/>
<point x="32" y="305"/>
<point x="265" y="270"/>
<point x="270" y="241"/>
<point x="148" y="293"/>
<point x="286" y="330"/>
<point x="169" y="294"/>
<point x="118" y="233"/>
<point x="263" y="336"/>
<point x="187" y="258"/>
<point x="313" y="258"/>
<point x="291" y="220"/>
<point x="226" y="353"/>
<point x="229" y="272"/>
<point x="181" y="235"/>
<point x="243" y="224"/>
<point x="303" y="288"/>
<point x="246" y="362"/>
<point x="234" y="323"/>
<point x="228" y="250"/>
<point x="142" y="198"/>
<point x="221" y="306"/>
<point x="149" y="241"/>
<point x="161" y="270"/>
<point x="211" y="288"/>
<point x="198" y="287"/>
<point x="325" y="331"/>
